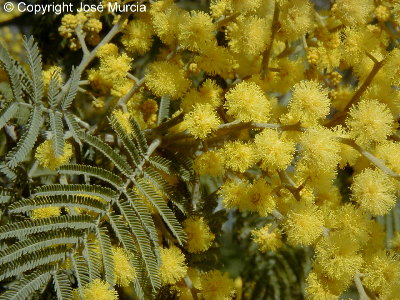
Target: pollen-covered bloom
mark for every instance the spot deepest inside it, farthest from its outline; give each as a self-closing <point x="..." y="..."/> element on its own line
<point x="303" y="224"/>
<point x="201" y="121"/>
<point x="216" y="286"/>
<point x="275" y="152"/>
<point x="173" y="267"/>
<point x="258" y="198"/>
<point x="196" y="31"/>
<point x="210" y="163"/>
<point x="47" y="158"/>
<point x="374" y="191"/>
<point x="309" y="102"/>
<point x="247" y="102"/>
<point x="199" y="236"/>
<point x="370" y="121"/>
<point x="241" y="156"/>
<point x="267" y="238"/>
<point x="164" y="78"/>
<point x="137" y="37"/>
<point x="99" y="290"/>
<point x="123" y="269"/>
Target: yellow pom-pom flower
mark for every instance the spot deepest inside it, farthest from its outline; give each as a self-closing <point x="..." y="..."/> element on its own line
<point x="199" y="236"/>
<point x="216" y="286"/>
<point x="275" y="152"/>
<point x="47" y="158"/>
<point x="374" y="191"/>
<point x="173" y="267"/>
<point x="239" y="156"/>
<point x="208" y="93"/>
<point x="309" y="102"/>
<point x="123" y="269"/>
<point x="247" y="102"/>
<point x="137" y="37"/>
<point x="353" y="12"/>
<point x="303" y="224"/>
<point x="99" y="290"/>
<point x="210" y="163"/>
<point x="196" y="30"/>
<point x="370" y="121"/>
<point x="164" y="78"/>
<point x="267" y="239"/>
<point x="201" y="121"/>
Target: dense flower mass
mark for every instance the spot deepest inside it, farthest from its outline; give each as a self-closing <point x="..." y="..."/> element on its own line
<point x="202" y="150"/>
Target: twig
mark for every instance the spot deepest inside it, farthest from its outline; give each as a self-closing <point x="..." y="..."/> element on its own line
<point x="357" y="280"/>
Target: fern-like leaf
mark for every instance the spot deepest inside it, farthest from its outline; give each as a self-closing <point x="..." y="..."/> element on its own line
<point x="75" y="189"/>
<point x="95" y="142"/>
<point x="62" y="285"/>
<point x="81" y="271"/>
<point x="9" y="65"/>
<point x="143" y="242"/>
<point x="5" y="195"/>
<point x="106" y="253"/>
<point x="39" y="258"/>
<point x="7" y="113"/>
<point x="163" y="111"/>
<point x="53" y="91"/>
<point x="161" y="163"/>
<point x="122" y="233"/>
<point x="72" y="89"/>
<point x="73" y="126"/>
<point x="93" y="258"/>
<point x="28" y="139"/>
<point x="35" y="64"/>
<point x="162" y="208"/>
<point x="100" y="173"/>
<point x="140" y="138"/>
<point x="57" y="129"/>
<point x="24" y="228"/>
<point x="37" y="242"/>
<point x="27" y="285"/>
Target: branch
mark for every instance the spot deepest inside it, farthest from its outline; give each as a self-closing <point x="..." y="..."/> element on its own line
<point x="360" y="288"/>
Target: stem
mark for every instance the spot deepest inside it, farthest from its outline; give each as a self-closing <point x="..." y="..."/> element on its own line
<point x="267" y="52"/>
<point x="122" y="101"/>
<point x="360" y="288"/>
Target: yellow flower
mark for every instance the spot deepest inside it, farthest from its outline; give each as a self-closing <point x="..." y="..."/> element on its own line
<point x="216" y="286"/>
<point x="208" y="93"/>
<point x="303" y="224"/>
<point x="247" y="102"/>
<point x="266" y="239"/>
<point x="196" y="30"/>
<point x="46" y="157"/>
<point x="309" y="102"/>
<point x="46" y="212"/>
<point x="201" y="121"/>
<point x="353" y="12"/>
<point x="99" y="290"/>
<point x="199" y="236"/>
<point x="374" y="191"/>
<point x="123" y="269"/>
<point x="210" y="163"/>
<point x="173" y="267"/>
<point x="239" y="156"/>
<point x="137" y="37"/>
<point x="275" y="152"/>
<point x="370" y="121"/>
<point x="164" y="78"/>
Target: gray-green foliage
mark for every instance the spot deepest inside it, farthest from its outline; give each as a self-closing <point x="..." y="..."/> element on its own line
<point x="102" y="205"/>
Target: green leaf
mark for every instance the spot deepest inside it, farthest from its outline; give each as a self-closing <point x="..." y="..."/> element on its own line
<point x="106" y="253"/>
<point x="7" y="113"/>
<point x="53" y="91"/>
<point x="35" y="64"/>
<point x="5" y="195"/>
<point x="163" y="111"/>
<point x="28" y="139"/>
<point x="162" y="208"/>
<point x="24" y="228"/>
<point x="62" y="285"/>
<point x="27" y="285"/>
<point x="57" y="129"/>
<point x="10" y="67"/>
<point x="37" y="242"/>
<point x="73" y="86"/>
<point x="140" y="138"/>
<point x="93" y="258"/>
<point x="73" y="126"/>
<point x="33" y="260"/>
<point x="81" y="270"/>
<point x="116" y="158"/>
<point x="75" y="189"/>
<point x="100" y="173"/>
